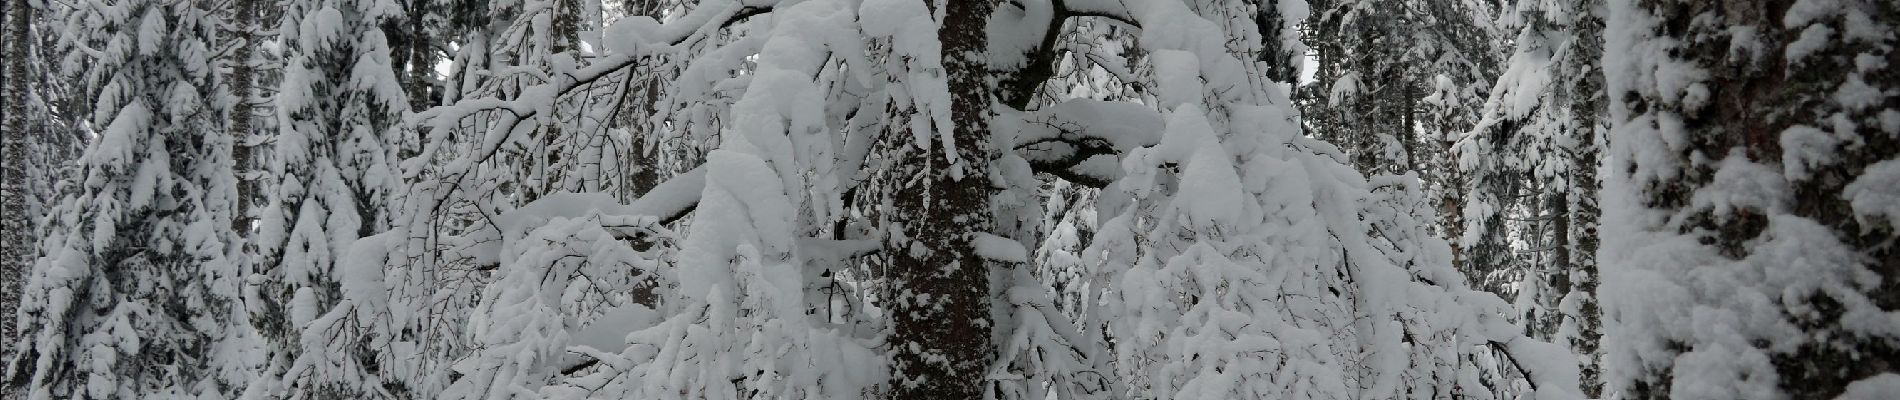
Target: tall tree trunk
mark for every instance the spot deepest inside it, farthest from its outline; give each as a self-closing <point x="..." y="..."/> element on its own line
<point x="412" y="52"/>
<point x="941" y="333"/>
<point x="243" y="78"/>
<point x="1583" y="271"/>
<point x="641" y="102"/>
<point x="16" y="247"/>
<point x="1586" y="106"/>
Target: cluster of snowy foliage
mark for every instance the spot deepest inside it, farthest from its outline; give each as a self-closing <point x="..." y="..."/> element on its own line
<point x="1493" y="109"/>
<point x="1745" y="255"/>
<point x="135" y="291"/>
<point x="330" y="170"/>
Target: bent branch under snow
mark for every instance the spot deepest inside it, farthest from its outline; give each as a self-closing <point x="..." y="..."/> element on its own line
<point x="1081" y="140"/>
<point x="667" y="202"/>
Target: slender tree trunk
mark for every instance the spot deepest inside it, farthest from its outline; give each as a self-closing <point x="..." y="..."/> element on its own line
<point x="243" y="78"/>
<point x="1451" y="207"/>
<point x="411" y="48"/>
<point x="1583" y="262"/>
<point x="940" y="316"/>
<point x="1562" y="260"/>
<point x="1408" y="132"/>
<point x="1587" y="110"/>
<point x="642" y="102"/>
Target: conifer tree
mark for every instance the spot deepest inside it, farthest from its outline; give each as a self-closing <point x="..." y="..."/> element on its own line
<point x="137" y="294"/>
<point x="37" y="142"/>
<point x="1534" y="156"/>
<point x="331" y="178"/>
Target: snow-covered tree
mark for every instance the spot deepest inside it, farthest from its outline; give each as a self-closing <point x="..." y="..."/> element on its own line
<point x="331" y="177"/>
<point x="1531" y="209"/>
<point x="1749" y="199"/>
<point x="1253" y="263"/>
<point x="135" y="293"/>
<point x="1394" y="82"/>
<point x="37" y="141"/>
<point x="891" y="151"/>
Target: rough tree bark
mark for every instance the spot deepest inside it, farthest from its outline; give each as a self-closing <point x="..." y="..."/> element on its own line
<point x="16" y="235"/>
<point x="1586" y="106"/>
<point x="940" y="318"/>
<point x="243" y="79"/>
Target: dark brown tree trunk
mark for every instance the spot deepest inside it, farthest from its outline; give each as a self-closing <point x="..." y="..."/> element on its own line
<point x="940" y="316"/>
<point x="243" y="78"/>
<point x="16" y="236"/>
<point x="1562" y="256"/>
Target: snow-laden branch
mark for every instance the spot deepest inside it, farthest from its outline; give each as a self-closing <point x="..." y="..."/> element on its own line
<point x="1080" y="140"/>
<point x="1550" y="369"/>
<point x="1112" y="9"/>
<point x="1030" y="52"/>
<point x="537" y="100"/>
<point x="668" y="201"/>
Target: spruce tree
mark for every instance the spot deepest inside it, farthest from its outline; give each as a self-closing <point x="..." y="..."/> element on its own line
<point x="137" y="295"/>
<point x="331" y="178"/>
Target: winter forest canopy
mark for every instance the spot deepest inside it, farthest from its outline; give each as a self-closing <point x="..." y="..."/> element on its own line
<point x="951" y="199"/>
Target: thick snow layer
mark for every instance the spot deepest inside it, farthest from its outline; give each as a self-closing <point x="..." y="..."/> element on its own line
<point x="609" y="331"/>
<point x="1875" y="194"/>
<point x="667" y="200"/>
<point x="999" y="248"/>
<point x="1813" y="39"/>
<point x="1124" y="125"/>
<point x="1804" y="148"/>
<point x="1743" y="185"/>
<point x="1210" y="189"/>
<point x="627" y="35"/>
<point x="1878" y="387"/>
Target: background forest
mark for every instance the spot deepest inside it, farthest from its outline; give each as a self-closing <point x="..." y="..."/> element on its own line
<point x="950" y="199"/>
